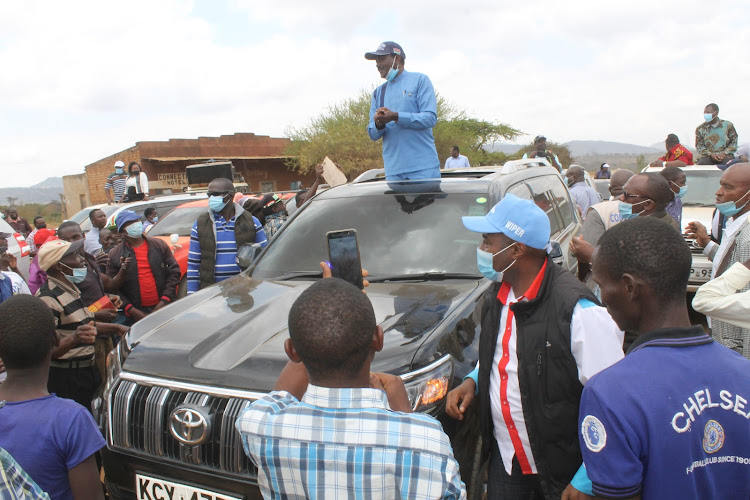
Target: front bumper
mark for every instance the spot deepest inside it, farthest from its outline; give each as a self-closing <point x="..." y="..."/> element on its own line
<point x="120" y="470"/>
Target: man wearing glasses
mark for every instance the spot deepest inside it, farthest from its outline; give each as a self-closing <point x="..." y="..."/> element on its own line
<point x="647" y="195"/>
<point x="217" y="235"/>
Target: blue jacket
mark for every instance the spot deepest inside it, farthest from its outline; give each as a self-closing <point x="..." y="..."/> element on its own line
<point x="408" y="145"/>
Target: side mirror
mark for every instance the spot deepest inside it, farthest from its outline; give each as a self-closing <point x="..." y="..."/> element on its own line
<point x="555" y="253"/>
<point x="247" y="254"/>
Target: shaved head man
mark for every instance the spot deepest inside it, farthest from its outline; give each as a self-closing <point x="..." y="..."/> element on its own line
<point x="618" y="180"/>
<point x="584" y="195"/>
<point x="733" y="201"/>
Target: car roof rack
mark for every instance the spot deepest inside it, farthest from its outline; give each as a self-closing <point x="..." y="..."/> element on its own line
<point x="378" y="174"/>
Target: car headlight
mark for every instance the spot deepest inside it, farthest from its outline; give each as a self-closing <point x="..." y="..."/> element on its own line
<point x="115" y="359"/>
<point x="428" y="386"/>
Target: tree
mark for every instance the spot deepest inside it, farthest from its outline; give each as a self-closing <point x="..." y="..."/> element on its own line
<point x="11" y="200"/>
<point x="561" y="150"/>
<point x="640" y="162"/>
<point x="340" y="132"/>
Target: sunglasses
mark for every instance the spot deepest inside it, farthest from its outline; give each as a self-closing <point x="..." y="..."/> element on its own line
<point x="628" y="195"/>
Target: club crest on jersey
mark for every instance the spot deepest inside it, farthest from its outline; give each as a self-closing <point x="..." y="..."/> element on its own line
<point x="713" y="436"/>
<point x="594" y="434"/>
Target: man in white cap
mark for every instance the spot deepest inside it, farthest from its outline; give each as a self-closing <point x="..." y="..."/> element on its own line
<point x="116" y="182"/>
<point x="603" y="172"/>
<point x="403" y="111"/>
<point x="543" y="335"/>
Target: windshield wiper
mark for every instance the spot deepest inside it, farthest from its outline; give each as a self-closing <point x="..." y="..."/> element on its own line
<point x="429" y="276"/>
<point x="298" y="274"/>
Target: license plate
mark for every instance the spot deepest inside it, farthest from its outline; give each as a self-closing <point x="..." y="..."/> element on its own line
<point x="152" y="488"/>
<point x="700" y="273"/>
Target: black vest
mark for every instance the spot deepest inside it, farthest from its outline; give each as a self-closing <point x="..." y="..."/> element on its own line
<point x="547" y="373"/>
<point x="244" y="232"/>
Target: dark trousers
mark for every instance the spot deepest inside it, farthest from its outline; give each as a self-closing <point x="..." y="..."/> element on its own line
<point x="707" y="160"/>
<point x="78" y="384"/>
<point x="516" y="486"/>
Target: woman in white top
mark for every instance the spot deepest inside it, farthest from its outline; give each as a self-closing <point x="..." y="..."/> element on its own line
<point x="136" y="186"/>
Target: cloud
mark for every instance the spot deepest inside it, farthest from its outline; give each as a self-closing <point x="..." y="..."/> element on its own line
<point x="85" y="79"/>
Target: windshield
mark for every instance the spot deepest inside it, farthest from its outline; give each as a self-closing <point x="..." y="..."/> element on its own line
<point x="397" y="234"/>
<point x="180" y="221"/>
<point x="82" y="217"/>
<point x="702" y="186"/>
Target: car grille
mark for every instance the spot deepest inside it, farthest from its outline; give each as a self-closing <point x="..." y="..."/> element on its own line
<point x="139" y="420"/>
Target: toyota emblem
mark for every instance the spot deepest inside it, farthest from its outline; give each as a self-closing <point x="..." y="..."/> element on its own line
<point x="190" y="424"/>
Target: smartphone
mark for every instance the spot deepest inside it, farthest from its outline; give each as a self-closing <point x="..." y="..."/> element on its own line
<point x="343" y="256"/>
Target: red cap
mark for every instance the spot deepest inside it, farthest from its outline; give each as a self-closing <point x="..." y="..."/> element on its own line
<point x="43" y="235"/>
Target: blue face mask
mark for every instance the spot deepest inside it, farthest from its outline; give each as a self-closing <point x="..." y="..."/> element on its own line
<point x="155" y="219"/>
<point x="79" y="274"/>
<point x="683" y="190"/>
<point x="708" y="117"/>
<point x="730" y="208"/>
<point x="217" y="203"/>
<point x="135" y="230"/>
<point x="626" y="210"/>
<point x="392" y="72"/>
<point x="484" y="264"/>
<point x="119" y="170"/>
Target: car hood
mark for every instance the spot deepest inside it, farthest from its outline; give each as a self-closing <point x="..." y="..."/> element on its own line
<point x="232" y="334"/>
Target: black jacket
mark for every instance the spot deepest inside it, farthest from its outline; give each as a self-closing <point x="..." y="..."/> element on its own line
<point x="164" y="267"/>
<point x="547" y="373"/>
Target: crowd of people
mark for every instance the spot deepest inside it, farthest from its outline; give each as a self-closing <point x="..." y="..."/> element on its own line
<point x="594" y="385"/>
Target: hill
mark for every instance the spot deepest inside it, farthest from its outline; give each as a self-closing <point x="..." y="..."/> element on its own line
<point x="48" y="190"/>
<point x="582" y="148"/>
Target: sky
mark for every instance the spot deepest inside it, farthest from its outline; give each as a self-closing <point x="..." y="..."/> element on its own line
<point x="81" y="80"/>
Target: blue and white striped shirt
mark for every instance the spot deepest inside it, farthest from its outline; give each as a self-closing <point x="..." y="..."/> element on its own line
<point x="347" y="443"/>
<point x="226" y="250"/>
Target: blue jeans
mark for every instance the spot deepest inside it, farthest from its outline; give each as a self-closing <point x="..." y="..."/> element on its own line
<point x="427" y="173"/>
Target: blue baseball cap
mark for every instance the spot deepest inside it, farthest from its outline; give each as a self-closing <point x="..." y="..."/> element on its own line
<point x="124" y="217"/>
<point x="518" y="219"/>
<point x="386" y="48"/>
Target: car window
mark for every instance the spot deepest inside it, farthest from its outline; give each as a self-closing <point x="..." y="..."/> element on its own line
<point x="397" y="234"/>
<point x="702" y="187"/>
<point x="552" y="197"/>
<point x="521" y="190"/>
<point x="179" y="220"/>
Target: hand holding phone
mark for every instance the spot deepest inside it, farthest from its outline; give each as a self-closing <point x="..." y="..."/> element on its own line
<point x="343" y="256"/>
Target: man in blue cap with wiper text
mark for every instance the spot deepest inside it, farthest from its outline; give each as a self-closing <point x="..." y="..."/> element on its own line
<point x="403" y="111"/>
<point x="543" y="336"/>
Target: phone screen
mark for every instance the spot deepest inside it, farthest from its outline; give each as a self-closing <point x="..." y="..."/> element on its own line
<point x="343" y="256"/>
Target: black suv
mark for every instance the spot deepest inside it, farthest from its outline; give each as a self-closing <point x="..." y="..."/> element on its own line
<point x="178" y="381"/>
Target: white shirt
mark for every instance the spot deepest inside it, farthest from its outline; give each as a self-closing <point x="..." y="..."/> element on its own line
<point x="733" y="225"/>
<point x="460" y="162"/>
<point x="719" y="298"/>
<point x="595" y="342"/>
<point x="743" y="150"/>
<point x="17" y="283"/>
<point x="91" y="241"/>
<point x="131" y="182"/>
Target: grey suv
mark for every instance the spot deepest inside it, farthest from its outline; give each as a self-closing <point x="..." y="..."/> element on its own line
<point x="178" y="381"/>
